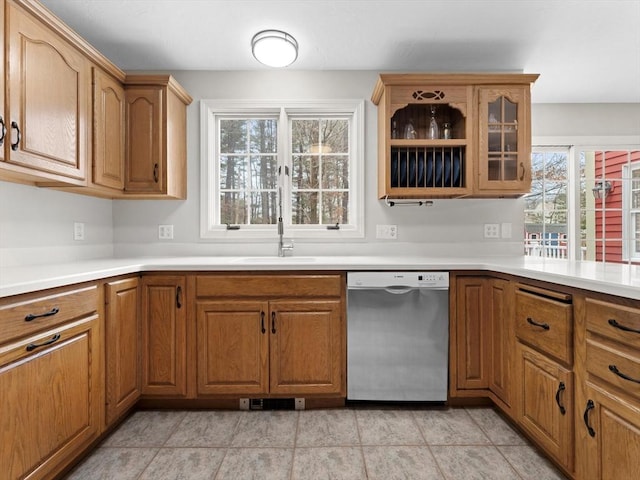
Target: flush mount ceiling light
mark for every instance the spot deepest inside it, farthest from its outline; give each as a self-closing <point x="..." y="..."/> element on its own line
<point x="274" y="48"/>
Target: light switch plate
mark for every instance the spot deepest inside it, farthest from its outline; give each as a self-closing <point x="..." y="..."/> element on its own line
<point x="505" y="230"/>
<point x="78" y="231"/>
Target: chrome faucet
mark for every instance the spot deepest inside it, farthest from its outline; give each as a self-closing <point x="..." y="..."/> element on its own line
<point x="282" y="247"/>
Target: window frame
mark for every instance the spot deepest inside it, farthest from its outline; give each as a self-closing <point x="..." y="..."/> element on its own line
<point x="629" y="253"/>
<point x="211" y="110"/>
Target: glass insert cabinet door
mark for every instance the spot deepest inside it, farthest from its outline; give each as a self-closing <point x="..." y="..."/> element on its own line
<point x="504" y="152"/>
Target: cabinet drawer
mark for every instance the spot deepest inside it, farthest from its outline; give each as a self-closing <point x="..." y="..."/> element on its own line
<point x="617" y="367"/>
<point x="545" y="324"/>
<point x="252" y="286"/>
<point x="615" y="322"/>
<point x="26" y="314"/>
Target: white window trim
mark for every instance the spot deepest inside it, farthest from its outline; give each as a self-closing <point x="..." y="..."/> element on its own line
<point x="628" y="240"/>
<point x="285" y="109"/>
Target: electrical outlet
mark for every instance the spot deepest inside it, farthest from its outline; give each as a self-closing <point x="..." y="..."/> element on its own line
<point x="505" y="230"/>
<point x="78" y="231"/>
<point x="491" y="230"/>
<point x="165" y="232"/>
<point x="387" y="232"/>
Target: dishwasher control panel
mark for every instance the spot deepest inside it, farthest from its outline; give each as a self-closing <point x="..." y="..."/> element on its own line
<point x="398" y="279"/>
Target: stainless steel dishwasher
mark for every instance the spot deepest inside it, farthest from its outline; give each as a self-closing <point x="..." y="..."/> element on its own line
<point x="397" y="336"/>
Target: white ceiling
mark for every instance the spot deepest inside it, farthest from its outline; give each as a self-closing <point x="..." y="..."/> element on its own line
<point x="584" y="50"/>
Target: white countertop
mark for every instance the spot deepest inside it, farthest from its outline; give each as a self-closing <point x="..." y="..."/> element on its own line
<point x="614" y="279"/>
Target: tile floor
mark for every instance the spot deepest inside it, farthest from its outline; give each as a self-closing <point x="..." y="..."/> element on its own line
<point x="351" y="443"/>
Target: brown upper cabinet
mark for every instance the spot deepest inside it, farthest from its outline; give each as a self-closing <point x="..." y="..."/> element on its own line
<point x="71" y="119"/>
<point x="47" y="112"/>
<point x="156" y="137"/>
<point x="453" y="135"/>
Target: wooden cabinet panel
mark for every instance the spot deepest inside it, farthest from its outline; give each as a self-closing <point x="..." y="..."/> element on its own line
<point x="306" y="347"/>
<point x="145" y="172"/>
<point x="122" y="347"/>
<point x="232" y="347"/>
<point x="546" y="324"/>
<point x="546" y="404"/>
<point x="108" y="131"/>
<point x="26" y="314"/>
<point x="3" y="116"/>
<point x="613" y="451"/>
<point x="164" y="343"/>
<point x="51" y="399"/>
<point x="473" y="361"/>
<point x="502" y="338"/>
<point x="617" y="323"/>
<point x="49" y="84"/>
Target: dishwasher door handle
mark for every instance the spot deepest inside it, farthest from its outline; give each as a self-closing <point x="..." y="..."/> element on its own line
<point x="398" y="289"/>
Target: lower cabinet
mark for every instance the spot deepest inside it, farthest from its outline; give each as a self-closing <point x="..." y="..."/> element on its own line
<point x="122" y="347"/>
<point x="265" y="342"/>
<point x="546" y="404"/>
<point x="51" y="395"/>
<point x="164" y="336"/>
<point x="612" y="427"/>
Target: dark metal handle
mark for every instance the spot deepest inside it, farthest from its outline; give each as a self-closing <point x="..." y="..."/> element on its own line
<point x="585" y="417"/>
<point x="561" y="388"/>
<point x="264" y="330"/>
<point x="3" y="131"/>
<point x="273" y="322"/>
<point x="155" y="173"/>
<point x="33" y="346"/>
<point x="333" y="227"/>
<point x="33" y="316"/>
<point x="615" y="324"/>
<point x="531" y="321"/>
<point x="522" y="175"/>
<point x="14" y="146"/>
<point x="615" y="370"/>
<point x="179" y="296"/>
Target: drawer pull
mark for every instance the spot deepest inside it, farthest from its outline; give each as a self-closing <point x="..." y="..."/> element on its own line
<point x="615" y="370"/>
<point x="615" y="324"/>
<point x="262" y="322"/>
<point x="273" y="322"/>
<point x="33" y="316"/>
<point x="561" y="388"/>
<point x="585" y="417"/>
<point x="179" y="297"/>
<point x="33" y="346"/>
<point x="544" y="326"/>
<point x="14" y="146"/>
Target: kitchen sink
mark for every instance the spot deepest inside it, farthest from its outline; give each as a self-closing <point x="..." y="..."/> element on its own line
<point x="274" y="259"/>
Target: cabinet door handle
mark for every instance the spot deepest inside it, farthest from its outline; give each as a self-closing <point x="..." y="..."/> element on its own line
<point x="14" y="146"/>
<point x="585" y="417"/>
<point x="544" y="326"/>
<point x="615" y="370"/>
<point x="273" y="322"/>
<point x="561" y="388"/>
<point x="179" y="296"/>
<point x="522" y="174"/>
<point x="615" y="324"/>
<point x="33" y="316"/>
<point x="264" y="330"/>
<point x="33" y="346"/>
<point x="3" y="131"/>
<point x="155" y="173"/>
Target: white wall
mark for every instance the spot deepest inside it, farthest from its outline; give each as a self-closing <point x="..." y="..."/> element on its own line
<point x="36" y="224"/>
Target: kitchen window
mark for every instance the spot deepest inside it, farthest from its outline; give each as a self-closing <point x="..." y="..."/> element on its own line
<point x="584" y="204"/>
<point x="299" y="160"/>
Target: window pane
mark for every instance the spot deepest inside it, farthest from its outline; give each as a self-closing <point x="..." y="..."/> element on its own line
<point x="264" y="172"/>
<point x="233" y="136"/>
<point x="232" y="208"/>
<point x="263" y="208"/>
<point x="335" y="135"/>
<point x="305" y="208"/>
<point x="305" y="134"/>
<point x="233" y="173"/>
<point x="335" y="172"/>
<point x="335" y="208"/>
<point x="263" y="135"/>
<point x="306" y="172"/>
